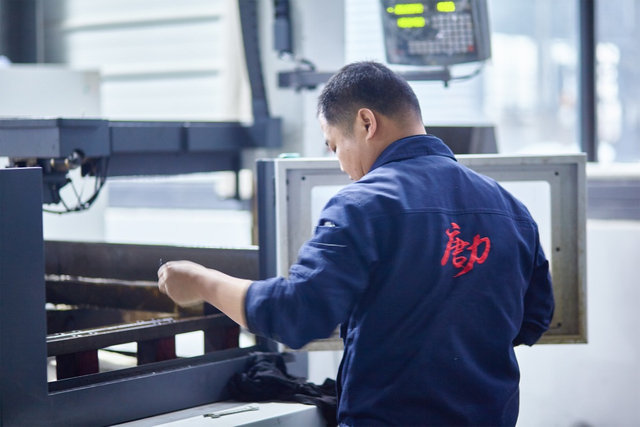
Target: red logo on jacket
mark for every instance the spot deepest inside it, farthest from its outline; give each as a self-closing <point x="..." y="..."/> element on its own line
<point x="458" y="246"/>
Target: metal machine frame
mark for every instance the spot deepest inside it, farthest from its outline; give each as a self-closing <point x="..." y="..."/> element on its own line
<point x="121" y="148"/>
<point x="106" y="398"/>
<point x="294" y="179"/>
<point x="132" y="148"/>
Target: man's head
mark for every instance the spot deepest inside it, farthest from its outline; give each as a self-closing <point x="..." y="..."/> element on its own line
<point x="362" y="109"/>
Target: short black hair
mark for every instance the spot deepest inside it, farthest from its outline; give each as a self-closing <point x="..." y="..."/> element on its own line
<point x="366" y="84"/>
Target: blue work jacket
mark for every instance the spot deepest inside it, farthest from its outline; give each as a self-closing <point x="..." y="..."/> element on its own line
<point x="434" y="273"/>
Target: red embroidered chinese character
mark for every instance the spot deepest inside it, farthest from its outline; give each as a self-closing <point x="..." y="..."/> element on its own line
<point x="457" y="246"/>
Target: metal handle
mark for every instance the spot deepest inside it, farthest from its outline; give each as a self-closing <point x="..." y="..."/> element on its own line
<point x="231" y="411"/>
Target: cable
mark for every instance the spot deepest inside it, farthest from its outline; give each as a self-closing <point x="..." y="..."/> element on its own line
<point x="468" y="76"/>
<point x="297" y="59"/>
<point x="100" y="180"/>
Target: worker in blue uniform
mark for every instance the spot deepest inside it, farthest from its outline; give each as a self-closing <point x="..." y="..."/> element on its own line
<point x="433" y="272"/>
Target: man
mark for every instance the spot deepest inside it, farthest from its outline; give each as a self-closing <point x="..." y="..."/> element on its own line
<point x="433" y="271"/>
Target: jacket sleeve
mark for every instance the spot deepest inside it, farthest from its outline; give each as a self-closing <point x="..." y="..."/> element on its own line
<point x="323" y="286"/>
<point x="538" y="301"/>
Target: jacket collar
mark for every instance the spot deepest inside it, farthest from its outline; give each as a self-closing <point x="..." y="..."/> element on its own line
<point x="413" y="146"/>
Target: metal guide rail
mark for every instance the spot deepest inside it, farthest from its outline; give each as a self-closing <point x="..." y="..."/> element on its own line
<point x="145" y="330"/>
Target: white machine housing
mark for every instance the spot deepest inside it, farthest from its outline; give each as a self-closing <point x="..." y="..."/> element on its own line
<point x="552" y="188"/>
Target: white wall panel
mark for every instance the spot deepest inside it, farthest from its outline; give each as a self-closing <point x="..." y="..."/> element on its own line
<point x="363" y="32"/>
<point x="162" y="59"/>
<point x="163" y="99"/>
<point x="83" y="12"/>
<point x="148" y="45"/>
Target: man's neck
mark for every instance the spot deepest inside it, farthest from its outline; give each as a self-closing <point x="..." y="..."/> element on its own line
<point x="393" y="130"/>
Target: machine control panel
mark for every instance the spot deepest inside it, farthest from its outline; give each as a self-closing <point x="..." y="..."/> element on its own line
<point x="435" y="32"/>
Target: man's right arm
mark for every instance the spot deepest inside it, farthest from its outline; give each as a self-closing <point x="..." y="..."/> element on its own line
<point x="323" y="286"/>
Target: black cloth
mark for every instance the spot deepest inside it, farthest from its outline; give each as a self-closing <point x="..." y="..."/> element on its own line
<point x="266" y="379"/>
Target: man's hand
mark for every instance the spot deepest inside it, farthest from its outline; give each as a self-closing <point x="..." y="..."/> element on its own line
<point x="188" y="283"/>
<point x="183" y="282"/>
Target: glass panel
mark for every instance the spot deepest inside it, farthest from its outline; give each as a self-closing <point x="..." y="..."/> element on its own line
<point x="532" y="80"/>
<point x="618" y="80"/>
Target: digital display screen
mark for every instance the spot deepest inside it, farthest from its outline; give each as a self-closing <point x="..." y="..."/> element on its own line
<point x="430" y="32"/>
<point x="446" y="6"/>
<point x="411" y="22"/>
<point x="404" y="10"/>
<point x="419" y="8"/>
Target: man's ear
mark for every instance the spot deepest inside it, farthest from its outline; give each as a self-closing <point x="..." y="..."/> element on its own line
<point x="367" y="122"/>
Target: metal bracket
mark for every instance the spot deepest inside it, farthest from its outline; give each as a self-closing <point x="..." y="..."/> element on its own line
<point x="309" y="79"/>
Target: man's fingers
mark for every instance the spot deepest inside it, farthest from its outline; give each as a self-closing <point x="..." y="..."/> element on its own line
<point x="162" y="285"/>
<point x="178" y="280"/>
<point x="162" y="277"/>
<point x="163" y="268"/>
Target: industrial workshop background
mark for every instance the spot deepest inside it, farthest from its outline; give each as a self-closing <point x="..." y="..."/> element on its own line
<point x="164" y="60"/>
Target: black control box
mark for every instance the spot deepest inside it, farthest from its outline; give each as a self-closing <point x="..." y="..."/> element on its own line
<point x="436" y="32"/>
